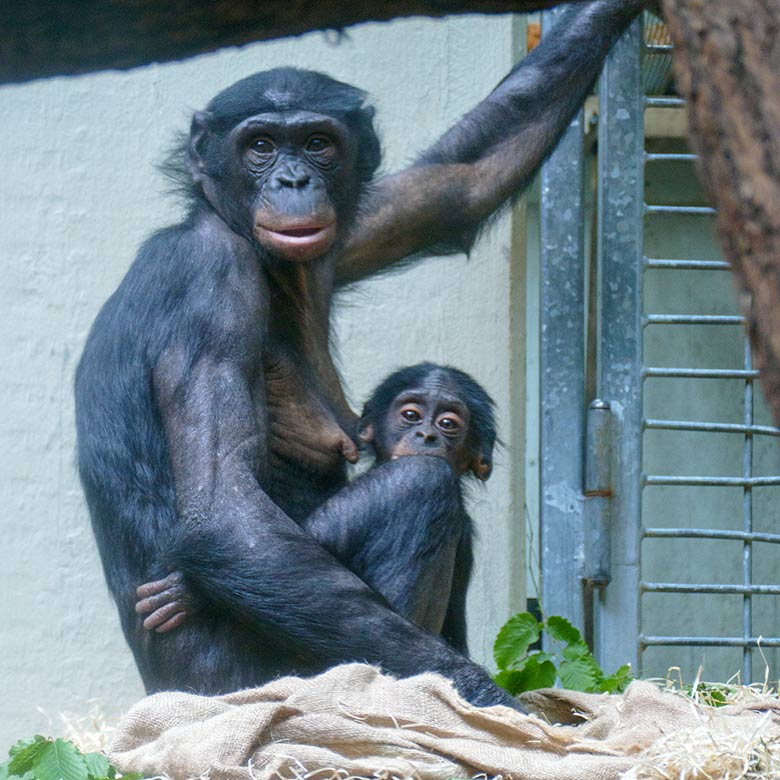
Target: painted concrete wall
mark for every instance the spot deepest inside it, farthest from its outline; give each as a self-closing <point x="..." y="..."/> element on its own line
<point x="78" y="193"/>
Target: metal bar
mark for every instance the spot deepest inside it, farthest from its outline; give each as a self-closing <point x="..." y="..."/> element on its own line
<point x="671" y="157"/>
<point x="687" y="265"/>
<point x="691" y="211"/>
<point x="664" y="102"/>
<point x="562" y="382"/>
<point x="598" y="493"/>
<point x="747" y="521"/>
<point x="659" y="47"/>
<point x="699" y="373"/>
<point x="745" y="482"/>
<point x="709" y="533"/>
<point x="693" y="319"/>
<point x="684" y="587"/>
<point x="620" y="241"/>
<point x="709" y="641"/>
<point x="685" y="425"/>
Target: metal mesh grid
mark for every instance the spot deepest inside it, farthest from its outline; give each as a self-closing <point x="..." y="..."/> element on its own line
<point x="748" y="430"/>
<point x="668" y="556"/>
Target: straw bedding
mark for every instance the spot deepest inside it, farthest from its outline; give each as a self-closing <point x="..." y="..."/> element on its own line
<point x="354" y="721"/>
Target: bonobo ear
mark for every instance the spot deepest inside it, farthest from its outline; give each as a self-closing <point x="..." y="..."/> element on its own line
<point x="366" y="433"/>
<point x="199" y="130"/>
<point x="482" y="466"/>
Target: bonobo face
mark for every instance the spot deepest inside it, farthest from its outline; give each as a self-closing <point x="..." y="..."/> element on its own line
<point x="283" y="178"/>
<point x="427" y="419"/>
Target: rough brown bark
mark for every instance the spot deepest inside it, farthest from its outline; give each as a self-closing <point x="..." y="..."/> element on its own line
<point x="727" y="62"/>
<point x="39" y="38"/>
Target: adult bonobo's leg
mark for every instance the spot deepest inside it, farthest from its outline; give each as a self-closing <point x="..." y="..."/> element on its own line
<point x="398" y="527"/>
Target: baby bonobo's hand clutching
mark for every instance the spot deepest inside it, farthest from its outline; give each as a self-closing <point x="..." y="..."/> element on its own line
<point x="168" y="602"/>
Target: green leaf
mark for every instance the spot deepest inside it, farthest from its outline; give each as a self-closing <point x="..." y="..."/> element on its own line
<point x="578" y="675"/>
<point x="560" y="629"/>
<point x="534" y="674"/>
<point x="514" y="639"/>
<point x="25" y="754"/>
<point x="510" y="680"/>
<point x="577" y="650"/>
<point x="617" y="682"/>
<point x="61" y="760"/>
<point x="98" y="766"/>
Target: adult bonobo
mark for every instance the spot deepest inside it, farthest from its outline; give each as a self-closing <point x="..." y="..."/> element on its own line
<point x="423" y="570"/>
<point x="211" y="420"/>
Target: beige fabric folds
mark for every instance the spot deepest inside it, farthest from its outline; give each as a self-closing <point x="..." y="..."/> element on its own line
<point x="355" y="721"/>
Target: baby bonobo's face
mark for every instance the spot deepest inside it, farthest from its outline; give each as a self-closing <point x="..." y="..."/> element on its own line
<point x="428" y="419"/>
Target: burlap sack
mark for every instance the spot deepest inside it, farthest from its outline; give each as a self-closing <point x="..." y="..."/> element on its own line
<point x="354" y="721"/>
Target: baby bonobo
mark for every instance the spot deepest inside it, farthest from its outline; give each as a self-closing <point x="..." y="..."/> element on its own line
<point x="417" y="412"/>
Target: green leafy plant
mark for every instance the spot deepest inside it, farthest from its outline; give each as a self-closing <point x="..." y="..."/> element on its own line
<point x="569" y="660"/>
<point x="40" y="758"/>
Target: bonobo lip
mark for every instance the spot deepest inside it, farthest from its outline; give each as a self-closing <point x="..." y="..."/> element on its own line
<point x="297" y="240"/>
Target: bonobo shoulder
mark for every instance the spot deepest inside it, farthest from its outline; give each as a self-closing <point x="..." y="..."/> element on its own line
<point x="196" y="280"/>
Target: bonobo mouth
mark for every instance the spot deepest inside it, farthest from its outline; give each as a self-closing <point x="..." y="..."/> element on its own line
<point x="298" y="241"/>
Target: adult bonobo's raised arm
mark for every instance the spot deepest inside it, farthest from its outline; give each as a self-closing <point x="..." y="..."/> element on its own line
<point x="211" y="419"/>
<point x="491" y="154"/>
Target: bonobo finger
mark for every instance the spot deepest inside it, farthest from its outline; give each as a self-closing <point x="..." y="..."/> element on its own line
<point x="159" y="600"/>
<point x="174" y="622"/>
<point x="161" y="615"/>
<point x="150" y="588"/>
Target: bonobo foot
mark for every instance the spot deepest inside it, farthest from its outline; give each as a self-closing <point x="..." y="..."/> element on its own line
<point x="167" y="601"/>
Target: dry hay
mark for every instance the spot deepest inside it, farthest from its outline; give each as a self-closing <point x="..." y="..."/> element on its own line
<point x="90" y="733"/>
<point x="716" y="749"/>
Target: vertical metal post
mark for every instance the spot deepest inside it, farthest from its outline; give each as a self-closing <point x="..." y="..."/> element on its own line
<point x="620" y="205"/>
<point x="562" y="386"/>
<point x="747" y="523"/>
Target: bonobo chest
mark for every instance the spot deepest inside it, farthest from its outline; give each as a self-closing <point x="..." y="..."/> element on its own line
<point x="310" y="424"/>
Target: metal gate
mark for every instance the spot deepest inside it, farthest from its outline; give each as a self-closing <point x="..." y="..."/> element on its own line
<point x="659" y="487"/>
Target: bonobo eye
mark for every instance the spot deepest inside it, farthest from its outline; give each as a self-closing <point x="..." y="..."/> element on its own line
<point x="321" y="146"/>
<point x="449" y="422"/>
<point x="262" y="147"/>
<point x="411" y="414"/>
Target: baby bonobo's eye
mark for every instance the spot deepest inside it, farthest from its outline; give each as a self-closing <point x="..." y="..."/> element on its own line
<point x="449" y="423"/>
<point x="411" y="414"/>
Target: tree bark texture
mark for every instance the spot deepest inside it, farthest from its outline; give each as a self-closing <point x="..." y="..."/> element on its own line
<point x="727" y="63"/>
<point x="60" y="37"/>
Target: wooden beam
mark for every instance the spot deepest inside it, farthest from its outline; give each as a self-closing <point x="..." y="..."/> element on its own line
<point x="41" y="38"/>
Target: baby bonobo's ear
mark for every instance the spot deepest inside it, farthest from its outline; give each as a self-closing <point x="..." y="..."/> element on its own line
<point x="366" y="433"/>
<point x="482" y="466"/>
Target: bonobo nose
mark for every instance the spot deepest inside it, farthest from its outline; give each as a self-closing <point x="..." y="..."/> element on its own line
<point x="428" y="437"/>
<point x="292" y="176"/>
